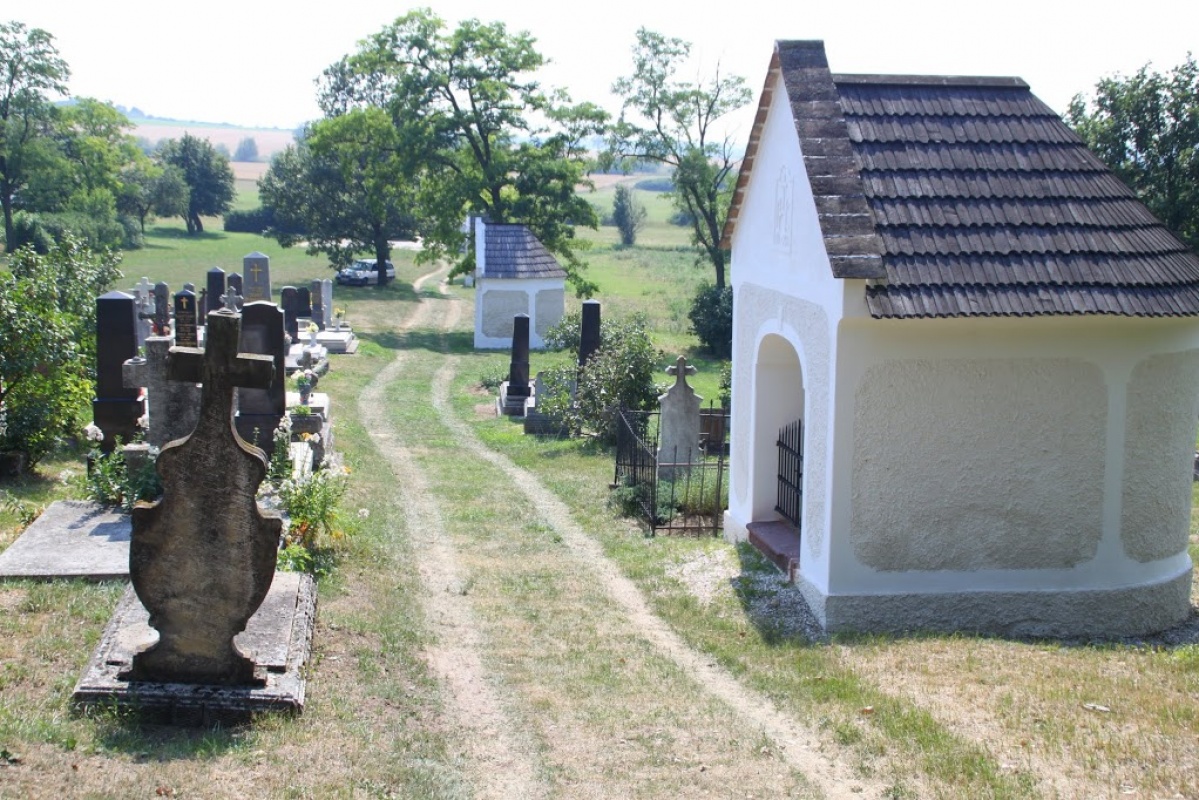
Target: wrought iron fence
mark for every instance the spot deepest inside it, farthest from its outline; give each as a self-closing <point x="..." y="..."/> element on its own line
<point x="790" y="474"/>
<point x="693" y="496"/>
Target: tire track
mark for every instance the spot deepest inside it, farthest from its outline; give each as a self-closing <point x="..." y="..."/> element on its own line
<point x="497" y="762"/>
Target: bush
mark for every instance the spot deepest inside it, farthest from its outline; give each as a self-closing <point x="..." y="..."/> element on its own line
<point x="628" y="214"/>
<point x="711" y="318"/>
<point x="566" y="334"/>
<point x="110" y="483"/>
<point x="256" y="220"/>
<point x="655" y="185"/>
<point x="682" y="218"/>
<point x="620" y="373"/>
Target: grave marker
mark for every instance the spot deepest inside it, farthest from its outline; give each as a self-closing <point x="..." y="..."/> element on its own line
<point x="162" y="309"/>
<point x="215" y="283"/>
<point x="515" y="391"/>
<point x="589" y="335"/>
<point x="203" y="557"/>
<point x="257" y="269"/>
<point x="678" y="434"/>
<point x="171" y="406"/>
<point x="289" y="300"/>
<point x="260" y="409"/>
<point x="115" y="409"/>
<point x="236" y="282"/>
<point x="319" y="312"/>
<point x="186" y="333"/>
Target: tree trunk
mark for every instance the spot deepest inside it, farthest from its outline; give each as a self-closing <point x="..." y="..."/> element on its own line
<point x="9" y="239"/>
<point x="382" y="254"/>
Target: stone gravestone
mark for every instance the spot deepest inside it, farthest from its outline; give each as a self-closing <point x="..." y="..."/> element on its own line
<point x="260" y="409"/>
<point x="678" y="431"/>
<point x="186" y="334"/>
<point x="257" y="269"/>
<point x="304" y="309"/>
<point x="319" y="312"/>
<point x="202" y="558"/>
<point x="172" y="406"/>
<point x="144" y="301"/>
<point x="202" y="306"/>
<point x="116" y="408"/>
<point x="515" y="391"/>
<point x="162" y="309"/>
<point x="234" y="281"/>
<point x="589" y="335"/>
<point x="216" y="290"/>
<point x="327" y="301"/>
<point x="289" y="300"/>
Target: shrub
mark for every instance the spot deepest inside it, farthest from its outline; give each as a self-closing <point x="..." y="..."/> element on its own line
<point x="620" y="373"/>
<point x="255" y="220"/>
<point x="655" y="185"/>
<point x="682" y="218"/>
<point x="110" y="482"/>
<point x="711" y="318"/>
<point x="567" y="333"/>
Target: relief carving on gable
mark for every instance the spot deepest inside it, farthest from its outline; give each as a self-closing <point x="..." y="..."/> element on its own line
<point x="783" y="204"/>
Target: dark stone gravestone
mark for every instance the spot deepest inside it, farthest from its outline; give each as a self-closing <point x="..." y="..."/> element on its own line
<point x="115" y="409"/>
<point x="259" y="410"/>
<point x="589" y="339"/>
<point x="162" y="309"/>
<point x="289" y="299"/>
<point x="186" y="334"/>
<point x="202" y="306"/>
<point x="216" y="290"/>
<point x="515" y="391"/>
<point x="202" y="558"/>
<point x="257" y="267"/>
<point x="235" y="280"/>
<point x="304" y="309"/>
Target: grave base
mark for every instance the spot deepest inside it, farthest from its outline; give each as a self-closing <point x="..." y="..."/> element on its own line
<point x="278" y="639"/>
<point x="513" y="405"/>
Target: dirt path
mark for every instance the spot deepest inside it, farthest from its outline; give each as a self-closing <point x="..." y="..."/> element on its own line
<point x="505" y="764"/>
<point x="499" y="766"/>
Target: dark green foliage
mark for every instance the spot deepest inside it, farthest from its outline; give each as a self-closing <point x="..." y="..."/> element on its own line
<point x="628" y="214"/>
<point x="207" y="174"/>
<point x="47" y="343"/>
<point x="247" y="150"/>
<point x="567" y="334"/>
<point x="620" y="373"/>
<point x="110" y="481"/>
<point x="711" y="318"/>
<point x="1146" y="128"/>
<point x="655" y="185"/>
<point x="255" y="220"/>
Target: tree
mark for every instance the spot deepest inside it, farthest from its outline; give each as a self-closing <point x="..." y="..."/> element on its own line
<point x="47" y="343"/>
<point x="628" y="214"/>
<point x="1146" y="128"/>
<point x="247" y="150"/>
<point x="671" y="122"/>
<point x="493" y="141"/>
<point x="30" y="67"/>
<point x="149" y="188"/>
<point x="207" y="174"/>
<point x="345" y="187"/>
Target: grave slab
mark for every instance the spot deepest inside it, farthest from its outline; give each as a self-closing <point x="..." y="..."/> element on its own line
<point x="278" y="639"/>
<point x="71" y="539"/>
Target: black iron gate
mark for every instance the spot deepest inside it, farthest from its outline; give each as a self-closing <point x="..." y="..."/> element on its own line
<point x="790" y="478"/>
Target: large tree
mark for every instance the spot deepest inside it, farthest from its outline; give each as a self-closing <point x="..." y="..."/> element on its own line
<point x="1146" y="128"/>
<point x="345" y="187"/>
<point x="208" y="176"/>
<point x="494" y="142"/>
<point x="673" y="122"/>
<point x="149" y="188"/>
<point x="30" y="68"/>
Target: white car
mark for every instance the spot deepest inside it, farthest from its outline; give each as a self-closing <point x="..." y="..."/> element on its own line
<point x="363" y="272"/>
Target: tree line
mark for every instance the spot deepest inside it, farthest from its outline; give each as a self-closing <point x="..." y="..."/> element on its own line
<point x="76" y="167"/>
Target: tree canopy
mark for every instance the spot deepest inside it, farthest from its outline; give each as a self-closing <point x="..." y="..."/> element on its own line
<point x="345" y="187"/>
<point x="1146" y="128"/>
<point x="30" y="69"/>
<point x="672" y="122"/>
<point x="208" y="176"/>
<point x="491" y="140"/>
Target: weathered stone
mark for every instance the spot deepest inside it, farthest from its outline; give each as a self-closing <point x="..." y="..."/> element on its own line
<point x="172" y="407"/>
<point x="289" y="300"/>
<point x="320" y="314"/>
<point x="186" y="332"/>
<point x="162" y="309"/>
<point x="259" y="410"/>
<point x="257" y="268"/>
<point x="678" y="432"/>
<point x="116" y="408"/>
<point x="203" y="557"/>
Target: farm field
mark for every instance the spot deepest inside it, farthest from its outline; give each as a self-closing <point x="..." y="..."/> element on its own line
<point x="495" y="629"/>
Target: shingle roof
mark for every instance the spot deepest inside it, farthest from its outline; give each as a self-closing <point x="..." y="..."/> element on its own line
<point x="512" y="251"/>
<point x="971" y="197"/>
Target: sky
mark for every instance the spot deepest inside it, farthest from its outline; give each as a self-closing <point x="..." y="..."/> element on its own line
<point x="253" y="63"/>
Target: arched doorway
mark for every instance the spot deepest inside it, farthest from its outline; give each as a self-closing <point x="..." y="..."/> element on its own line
<point x="777" y="429"/>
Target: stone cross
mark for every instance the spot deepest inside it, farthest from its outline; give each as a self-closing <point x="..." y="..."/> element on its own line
<point x="231" y="299"/>
<point x="202" y="558"/>
<point x="260" y="410"/>
<point x="171" y="406"/>
<point x="144" y="301"/>
<point x="678" y="431"/>
<point x="234" y="280"/>
<point x="257" y="267"/>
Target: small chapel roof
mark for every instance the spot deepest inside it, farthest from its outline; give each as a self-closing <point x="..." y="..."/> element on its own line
<point x="512" y="251"/>
<point x="959" y="196"/>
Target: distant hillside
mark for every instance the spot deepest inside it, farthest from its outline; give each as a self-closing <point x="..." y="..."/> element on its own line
<point x="269" y="140"/>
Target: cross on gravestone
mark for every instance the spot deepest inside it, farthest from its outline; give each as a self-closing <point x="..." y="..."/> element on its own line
<point x="589" y="338"/>
<point x="231" y="299"/>
<point x="186" y="333"/>
<point x="202" y="558"/>
<point x="115" y="408"/>
<point x="257" y="267"/>
<point x="144" y="301"/>
<point x="236" y="282"/>
<point x="171" y="406"/>
<point x="678" y="426"/>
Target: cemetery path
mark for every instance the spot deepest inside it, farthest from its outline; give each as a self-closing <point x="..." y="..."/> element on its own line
<point x="499" y="765"/>
<point x="520" y="739"/>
